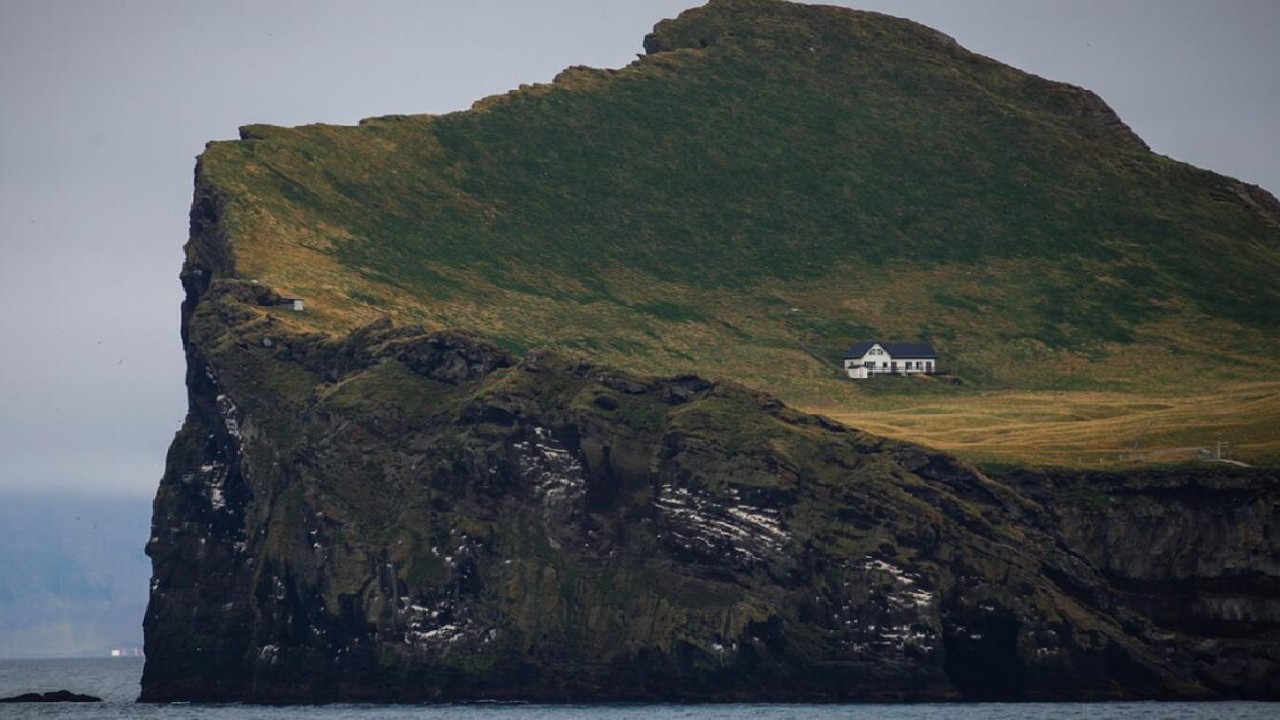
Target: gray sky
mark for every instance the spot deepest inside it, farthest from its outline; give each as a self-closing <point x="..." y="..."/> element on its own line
<point x="104" y="105"/>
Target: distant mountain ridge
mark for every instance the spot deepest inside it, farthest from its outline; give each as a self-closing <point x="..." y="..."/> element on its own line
<point x="73" y="577"/>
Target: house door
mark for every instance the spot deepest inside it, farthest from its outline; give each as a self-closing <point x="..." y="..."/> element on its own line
<point x="893" y="366"/>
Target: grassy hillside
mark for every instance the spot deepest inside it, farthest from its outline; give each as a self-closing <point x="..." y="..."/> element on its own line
<point x="770" y="184"/>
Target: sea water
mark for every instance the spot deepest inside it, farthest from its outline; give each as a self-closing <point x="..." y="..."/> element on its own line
<point x="115" y="680"/>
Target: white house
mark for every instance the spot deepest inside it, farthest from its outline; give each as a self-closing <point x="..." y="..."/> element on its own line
<point x="875" y="358"/>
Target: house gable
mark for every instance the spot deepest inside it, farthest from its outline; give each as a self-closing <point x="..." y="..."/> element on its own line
<point x="859" y="350"/>
<point x="894" y="351"/>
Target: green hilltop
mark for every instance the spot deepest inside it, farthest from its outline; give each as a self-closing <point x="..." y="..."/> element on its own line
<point x="767" y="185"/>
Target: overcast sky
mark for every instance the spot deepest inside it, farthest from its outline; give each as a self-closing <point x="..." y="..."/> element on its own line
<point x="104" y="106"/>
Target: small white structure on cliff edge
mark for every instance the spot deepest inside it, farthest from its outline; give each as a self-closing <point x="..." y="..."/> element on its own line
<point x="875" y="358"/>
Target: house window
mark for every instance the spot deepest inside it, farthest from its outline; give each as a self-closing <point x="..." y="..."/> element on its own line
<point x="871" y="364"/>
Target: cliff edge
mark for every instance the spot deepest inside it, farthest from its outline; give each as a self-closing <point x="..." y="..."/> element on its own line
<point x="401" y="516"/>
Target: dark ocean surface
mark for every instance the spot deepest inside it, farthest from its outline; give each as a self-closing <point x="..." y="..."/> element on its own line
<point x="116" y="682"/>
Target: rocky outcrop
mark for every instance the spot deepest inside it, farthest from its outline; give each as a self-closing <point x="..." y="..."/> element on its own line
<point x="50" y="697"/>
<point x="1250" y="197"/>
<point x="398" y="516"/>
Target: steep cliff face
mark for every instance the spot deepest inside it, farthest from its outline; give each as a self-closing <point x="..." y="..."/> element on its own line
<point x="1194" y="552"/>
<point x="359" y="509"/>
<point x="410" y="516"/>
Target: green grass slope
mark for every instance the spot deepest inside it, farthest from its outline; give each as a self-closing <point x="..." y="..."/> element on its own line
<point x="769" y="184"/>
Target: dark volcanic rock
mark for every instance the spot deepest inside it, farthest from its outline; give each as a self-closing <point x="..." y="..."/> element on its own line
<point x="402" y="517"/>
<point x="50" y="697"/>
<point x="1194" y="551"/>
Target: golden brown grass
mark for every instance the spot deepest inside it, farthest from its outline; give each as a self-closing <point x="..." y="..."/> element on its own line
<point x="1082" y="429"/>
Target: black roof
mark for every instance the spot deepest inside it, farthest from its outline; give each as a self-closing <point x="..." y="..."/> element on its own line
<point x="895" y="350"/>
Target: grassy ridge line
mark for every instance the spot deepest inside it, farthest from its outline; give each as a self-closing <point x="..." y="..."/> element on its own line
<point x="775" y="183"/>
